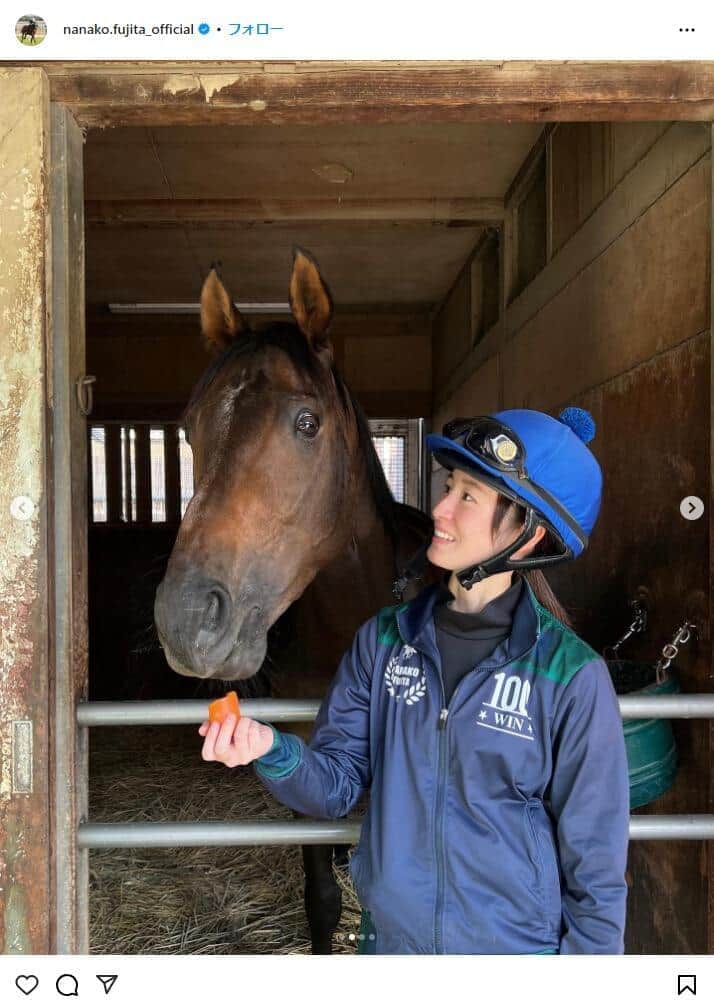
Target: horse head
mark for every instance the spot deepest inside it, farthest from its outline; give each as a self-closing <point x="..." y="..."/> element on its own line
<point x="275" y="439"/>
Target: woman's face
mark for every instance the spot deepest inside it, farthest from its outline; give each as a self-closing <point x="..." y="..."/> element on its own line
<point x="463" y="519"/>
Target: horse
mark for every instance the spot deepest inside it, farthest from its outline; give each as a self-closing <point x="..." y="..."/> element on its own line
<point x="291" y="508"/>
<point x="29" y="29"/>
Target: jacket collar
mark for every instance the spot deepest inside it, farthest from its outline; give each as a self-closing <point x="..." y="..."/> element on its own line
<point x="416" y="626"/>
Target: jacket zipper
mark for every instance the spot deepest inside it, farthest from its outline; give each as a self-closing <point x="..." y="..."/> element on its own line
<point x="441" y="787"/>
<point x="439" y="824"/>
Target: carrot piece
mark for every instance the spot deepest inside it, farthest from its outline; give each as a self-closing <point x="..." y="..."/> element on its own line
<point x="220" y="709"/>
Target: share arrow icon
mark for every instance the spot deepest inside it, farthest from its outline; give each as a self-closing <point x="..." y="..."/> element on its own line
<point x="107" y="980"/>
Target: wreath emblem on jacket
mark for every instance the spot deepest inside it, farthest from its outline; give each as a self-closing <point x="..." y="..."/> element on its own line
<point x="404" y="682"/>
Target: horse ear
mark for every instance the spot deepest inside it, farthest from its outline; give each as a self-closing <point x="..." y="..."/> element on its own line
<point x="311" y="302"/>
<point x="221" y="322"/>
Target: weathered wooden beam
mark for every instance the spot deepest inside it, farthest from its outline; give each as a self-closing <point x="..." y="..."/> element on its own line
<point x="312" y="92"/>
<point x="172" y="212"/>
<point x="28" y="581"/>
<point x="69" y="682"/>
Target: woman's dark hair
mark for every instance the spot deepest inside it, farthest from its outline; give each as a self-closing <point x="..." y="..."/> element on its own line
<point x="535" y="578"/>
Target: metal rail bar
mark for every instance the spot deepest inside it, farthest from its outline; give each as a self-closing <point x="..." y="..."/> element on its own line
<point x="241" y="833"/>
<point x="261" y="832"/>
<point x="166" y="712"/>
<point x="271" y="832"/>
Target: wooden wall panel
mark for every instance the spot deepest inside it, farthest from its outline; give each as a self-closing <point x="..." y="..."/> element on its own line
<point x="384" y="357"/>
<point x="644" y="294"/>
<point x="481" y="393"/>
<point x="628" y="142"/>
<point x="365" y="262"/>
<point x="654" y="450"/>
<point x="452" y="329"/>
<point x="579" y="153"/>
<point x="384" y="363"/>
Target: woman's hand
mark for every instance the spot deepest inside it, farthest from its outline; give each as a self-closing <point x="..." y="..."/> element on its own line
<point x="235" y="744"/>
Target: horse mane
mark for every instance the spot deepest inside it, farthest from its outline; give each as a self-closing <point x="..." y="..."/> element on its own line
<point x="288" y="338"/>
<point x="381" y="491"/>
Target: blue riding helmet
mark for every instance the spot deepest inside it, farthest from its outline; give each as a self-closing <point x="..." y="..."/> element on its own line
<point x="542" y="463"/>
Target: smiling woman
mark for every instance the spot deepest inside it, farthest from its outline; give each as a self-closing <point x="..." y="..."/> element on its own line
<point x="465" y="533"/>
<point x="477" y="537"/>
<point x="525" y="713"/>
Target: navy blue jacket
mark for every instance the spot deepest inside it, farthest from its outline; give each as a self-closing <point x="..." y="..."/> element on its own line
<point x="497" y="825"/>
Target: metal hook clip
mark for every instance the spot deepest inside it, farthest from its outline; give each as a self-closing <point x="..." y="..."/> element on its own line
<point x="670" y="651"/>
<point x="639" y="622"/>
<point x="83" y="388"/>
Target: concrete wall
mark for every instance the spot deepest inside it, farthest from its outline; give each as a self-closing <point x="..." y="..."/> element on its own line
<point x="618" y="322"/>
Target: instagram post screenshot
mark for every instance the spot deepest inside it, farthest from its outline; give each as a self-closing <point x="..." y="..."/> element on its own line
<point x="355" y="503"/>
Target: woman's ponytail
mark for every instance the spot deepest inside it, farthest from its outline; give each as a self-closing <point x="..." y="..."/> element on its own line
<point x="535" y="578"/>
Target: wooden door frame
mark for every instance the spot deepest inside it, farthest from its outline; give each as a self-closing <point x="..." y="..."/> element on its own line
<point x="25" y="513"/>
<point x="166" y="93"/>
<point x="69" y="743"/>
<point x="43" y="525"/>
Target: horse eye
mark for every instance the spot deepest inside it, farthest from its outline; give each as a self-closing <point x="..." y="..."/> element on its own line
<point x="307" y="425"/>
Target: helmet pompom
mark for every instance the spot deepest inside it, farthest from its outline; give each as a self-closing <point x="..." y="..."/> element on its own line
<point x="580" y="422"/>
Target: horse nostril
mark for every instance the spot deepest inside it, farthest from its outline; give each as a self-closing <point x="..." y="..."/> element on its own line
<point x="255" y="625"/>
<point x="215" y="616"/>
<point x="213" y="611"/>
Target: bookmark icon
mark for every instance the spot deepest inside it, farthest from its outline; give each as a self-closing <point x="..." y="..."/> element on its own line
<point x="107" y="980"/>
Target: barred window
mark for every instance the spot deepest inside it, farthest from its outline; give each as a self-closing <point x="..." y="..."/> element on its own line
<point x="98" y="474"/>
<point x="392" y="455"/>
<point x="398" y="444"/>
<point x="142" y="473"/>
<point x="186" y="470"/>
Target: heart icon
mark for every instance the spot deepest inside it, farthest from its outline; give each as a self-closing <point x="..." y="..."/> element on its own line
<point x="26" y="983"/>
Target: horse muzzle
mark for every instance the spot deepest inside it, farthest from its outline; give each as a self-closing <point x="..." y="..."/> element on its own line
<point x="205" y="634"/>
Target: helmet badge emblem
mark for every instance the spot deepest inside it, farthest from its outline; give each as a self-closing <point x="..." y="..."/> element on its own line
<point x="504" y="449"/>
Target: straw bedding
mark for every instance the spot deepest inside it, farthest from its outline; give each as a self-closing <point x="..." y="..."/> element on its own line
<point x="219" y="900"/>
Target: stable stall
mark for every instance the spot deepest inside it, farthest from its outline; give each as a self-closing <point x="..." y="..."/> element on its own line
<point x="520" y="235"/>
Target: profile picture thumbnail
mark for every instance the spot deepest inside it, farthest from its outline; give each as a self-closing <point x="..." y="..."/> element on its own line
<point x="31" y="30"/>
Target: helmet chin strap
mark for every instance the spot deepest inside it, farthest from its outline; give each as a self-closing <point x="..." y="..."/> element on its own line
<point x="501" y="562"/>
<point x="497" y="564"/>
